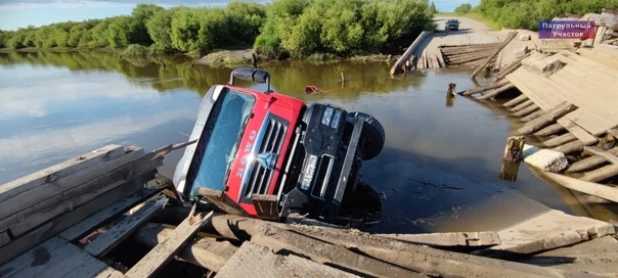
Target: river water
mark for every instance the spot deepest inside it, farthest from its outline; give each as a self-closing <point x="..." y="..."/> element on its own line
<point x="438" y="172"/>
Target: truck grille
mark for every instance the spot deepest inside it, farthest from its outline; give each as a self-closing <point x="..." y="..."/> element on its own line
<point x="275" y="129"/>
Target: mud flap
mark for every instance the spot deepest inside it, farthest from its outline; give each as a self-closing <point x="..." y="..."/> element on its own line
<point x="222" y="201"/>
<point x="266" y="206"/>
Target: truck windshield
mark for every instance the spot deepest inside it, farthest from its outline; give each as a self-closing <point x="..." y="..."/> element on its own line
<point x="219" y="141"/>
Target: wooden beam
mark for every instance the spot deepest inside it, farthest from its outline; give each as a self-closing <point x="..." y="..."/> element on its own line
<point x="533" y="115"/>
<point x="601" y="174"/>
<point x="498" y="91"/>
<point x="550" y="129"/>
<point x="522" y="105"/>
<point x="61" y="223"/>
<point x="325" y="253"/>
<point x="570" y="147"/>
<point x="513" y="67"/>
<point x="164" y="252"/>
<point x="123" y="229"/>
<point x="484" y="88"/>
<point x="590" y="162"/>
<point x="90" y="224"/>
<point x="526" y="111"/>
<point x="513" y="102"/>
<point x="493" y="55"/>
<point x="607" y="155"/>
<point x="222" y="201"/>
<point x="206" y="252"/>
<point x="559" y="140"/>
<point x="47" y="209"/>
<point x="56" y="173"/>
<point x="551" y="116"/>
<point x="590" y="188"/>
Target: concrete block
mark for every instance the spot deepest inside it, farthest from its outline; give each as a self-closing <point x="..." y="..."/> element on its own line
<point x="545" y="66"/>
<point x="545" y="159"/>
<point x="524" y="37"/>
<point x="521" y="52"/>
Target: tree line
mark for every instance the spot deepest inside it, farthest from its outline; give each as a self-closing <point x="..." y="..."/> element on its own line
<point x="284" y="27"/>
<point x="526" y="13"/>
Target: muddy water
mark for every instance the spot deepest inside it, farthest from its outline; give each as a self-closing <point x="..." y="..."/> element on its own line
<point x="438" y="172"/>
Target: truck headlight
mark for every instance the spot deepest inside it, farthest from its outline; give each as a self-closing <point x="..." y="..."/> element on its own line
<point x="328" y="113"/>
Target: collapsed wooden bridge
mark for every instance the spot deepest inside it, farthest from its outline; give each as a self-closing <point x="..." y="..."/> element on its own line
<point x="570" y="101"/>
<point x="108" y="213"/>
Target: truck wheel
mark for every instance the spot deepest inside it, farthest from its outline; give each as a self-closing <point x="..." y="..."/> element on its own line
<point x="374" y="134"/>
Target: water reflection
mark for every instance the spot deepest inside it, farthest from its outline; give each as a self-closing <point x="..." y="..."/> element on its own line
<point x="439" y="170"/>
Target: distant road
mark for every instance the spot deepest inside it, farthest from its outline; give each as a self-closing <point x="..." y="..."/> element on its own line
<point x="466" y="24"/>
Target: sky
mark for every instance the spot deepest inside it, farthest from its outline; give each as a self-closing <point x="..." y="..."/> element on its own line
<point x="21" y="13"/>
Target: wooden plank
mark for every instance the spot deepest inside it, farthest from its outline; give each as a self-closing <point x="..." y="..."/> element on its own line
<point x="493" y="55"/>
<point x="551" y="116"/>
<point x="110" y="239"/>
<point x="252" y="258"/>
<point x="88" y="225"/>
<point x="222" y="201"/>
<point x="58" y="171"/>
<point x="161" y="254"/>
<point x="590" y="188"/>
<point x="50" y="229"/>
<point x="38" y="259"/>
<point x="607" y="155"/>
<point x="206" y="252"/>
<point x="460" y="239"/>
<point x="323" y="252"/>
<point x="109" y="273"/>
<point x="92" y="267"/>
<point x="31" y="197"/>
<point x="46" y="210"/>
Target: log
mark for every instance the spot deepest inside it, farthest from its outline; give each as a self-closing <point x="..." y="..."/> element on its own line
<point x="526" y="111"/>
<point x="522" y="105"/>
<point x="164" y="252"/>
<point x="511" y="36"/>
<point x="601" y="174"/>
<point x="590" y="188"/>
<point x="574" y="146"/>
<point x="533" y="115"/>
<point x="552" y="115"/>
<point x="123" y="229"/>
<point x="486" y="87"/>
<point x="518" y="100"/>
<point x="411" y="49"/>
<point x="607" y="155"/>
<point x="206" y="252"/>
<point x="498" y="91"/>
<point x="512" y="67"/>
<point x="559" y="140"/>
<point x="590" y="162"/>
<point x="550" y="129"/>
<point x="514" y="148"/>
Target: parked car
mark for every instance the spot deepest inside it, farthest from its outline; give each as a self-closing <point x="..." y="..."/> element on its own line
<point x="451" y="24"/>
<point x="261" y="150"/>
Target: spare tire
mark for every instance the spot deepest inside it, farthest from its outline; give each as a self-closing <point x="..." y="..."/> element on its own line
<point x="373" y="135"/>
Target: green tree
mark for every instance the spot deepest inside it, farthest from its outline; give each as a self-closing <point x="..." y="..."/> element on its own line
<point x="463" y="8"/>
<point x="160" y="28"/>
<point x="433" y="8"/>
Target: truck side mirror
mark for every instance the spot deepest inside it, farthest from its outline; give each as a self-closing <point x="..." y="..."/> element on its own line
<point x="251" y="74"/>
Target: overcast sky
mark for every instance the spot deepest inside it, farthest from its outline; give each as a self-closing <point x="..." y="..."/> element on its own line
<point x="21" y="13"/>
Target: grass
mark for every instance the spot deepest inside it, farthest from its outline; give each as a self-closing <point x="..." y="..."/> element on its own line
<point x="476" y="16"/>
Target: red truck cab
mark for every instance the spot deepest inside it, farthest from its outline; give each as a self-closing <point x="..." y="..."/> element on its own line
<point x="267" y="155"/>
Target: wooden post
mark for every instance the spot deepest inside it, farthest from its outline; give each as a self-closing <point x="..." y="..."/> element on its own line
<point x="451" y="89"/>
<point x="551" y="116"/>
<point x="509" y="171"/>
<point x="514" y="148"/>
<point x="494" y="54"/>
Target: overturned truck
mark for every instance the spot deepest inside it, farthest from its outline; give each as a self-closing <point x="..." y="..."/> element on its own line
<point x="269" y="155"/>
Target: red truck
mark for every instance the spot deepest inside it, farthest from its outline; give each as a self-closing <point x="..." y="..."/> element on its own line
<point x="267" y="155"/>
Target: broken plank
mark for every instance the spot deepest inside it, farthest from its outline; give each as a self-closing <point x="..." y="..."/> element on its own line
<point x="483" y="88"/>
<point x="252" y="259"/>
<point x="161" y="254"/>
<point x="590" y="188"/>
<point x="551" y="116"/>
<point x="326" y="253"/>
<point x="206" y="252"/>
<point x="607" y="155"/>
<point x="498" y="91"/>
<point x="111" y="238"/>
<point x="462" y="239"/>
<point x="56" y="172"/>
<point x="68" y="200"/>
<point x="50" y="229"/>
<point x="88" y="225"/>
<point x="493" y="55"/>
